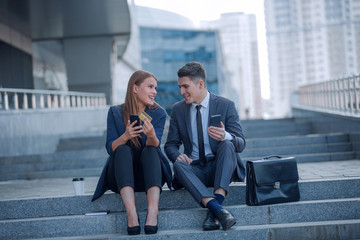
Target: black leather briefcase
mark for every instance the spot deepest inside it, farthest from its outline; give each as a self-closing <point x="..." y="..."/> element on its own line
<point x="272" y="180"/>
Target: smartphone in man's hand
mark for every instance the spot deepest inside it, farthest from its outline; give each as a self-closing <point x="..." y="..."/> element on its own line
<point x="134" y="117"/>
<point x="215" y="120"/>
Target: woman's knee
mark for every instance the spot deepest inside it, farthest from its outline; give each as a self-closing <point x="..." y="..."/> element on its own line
<point x="149" y="153"/>
<point x="123" y="149"/>
<point x="148" y="150"/>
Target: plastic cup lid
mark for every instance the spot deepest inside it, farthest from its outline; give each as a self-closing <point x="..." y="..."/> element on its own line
<point x="78" y="179"/>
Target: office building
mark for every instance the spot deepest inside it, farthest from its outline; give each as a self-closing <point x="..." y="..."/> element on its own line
<point x="238" y="39"/>
<point x="309" y="41"/>
<point x="168" y="41"/>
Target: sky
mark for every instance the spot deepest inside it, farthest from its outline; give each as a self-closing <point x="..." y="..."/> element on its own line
<point x="205" y="10"/>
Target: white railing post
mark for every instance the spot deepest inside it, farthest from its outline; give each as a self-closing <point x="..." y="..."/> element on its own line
<point x="25" y="101"/>
<point x="48" y="97"/>
<point x="357" y="92"/>
<point x="16" y="101"/>
<point x="78" y="98"/>
<point x="42" y="101"/>
<point x="6" y="101"/>
<point x="350" y="97"/>
<point x="33" y="101"/>
<point x="344" y="94"/>
<point x="55" y="101"/>
<point x="62" y="101"/>
<point x="83" y="101"/>
<point x="68" y="103"/>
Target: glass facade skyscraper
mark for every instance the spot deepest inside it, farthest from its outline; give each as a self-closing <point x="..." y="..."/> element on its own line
<point x="164" y="51"/>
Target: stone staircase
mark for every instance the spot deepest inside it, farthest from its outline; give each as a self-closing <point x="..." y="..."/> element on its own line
<point x="328" y="209"/>
<point x="285" y="137"/>
<point x="74" y="157"/>
<point x="291" y="137"/>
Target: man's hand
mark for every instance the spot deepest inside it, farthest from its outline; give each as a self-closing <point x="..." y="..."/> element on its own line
<point x="217" y="133"/>
<point x="184" y="158"/>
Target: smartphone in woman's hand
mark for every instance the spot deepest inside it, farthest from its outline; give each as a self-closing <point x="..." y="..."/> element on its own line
<point x="134" y="117"/>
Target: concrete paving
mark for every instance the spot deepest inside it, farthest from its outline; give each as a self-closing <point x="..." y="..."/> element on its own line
<point x="60" y="187"/>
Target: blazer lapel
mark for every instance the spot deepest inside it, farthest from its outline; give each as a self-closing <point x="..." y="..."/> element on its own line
<point x="188" y="120"/>
<point x="213" y="105"/>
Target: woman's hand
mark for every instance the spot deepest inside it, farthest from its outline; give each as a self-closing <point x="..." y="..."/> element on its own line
<point x="149" y="131"/>
<point x="131" y="131"/>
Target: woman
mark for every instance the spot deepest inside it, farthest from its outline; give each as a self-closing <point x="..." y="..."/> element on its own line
<point x="136" y="163"/>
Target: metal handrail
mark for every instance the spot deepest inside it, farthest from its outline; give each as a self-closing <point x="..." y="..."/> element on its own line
<point x="341" y="95"/>
<point x="12" y="98"/>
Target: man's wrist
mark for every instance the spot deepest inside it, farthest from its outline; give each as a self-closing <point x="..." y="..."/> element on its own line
<point x="228" y="136"/>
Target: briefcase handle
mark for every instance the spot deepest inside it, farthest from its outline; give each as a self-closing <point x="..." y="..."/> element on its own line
<point x="272" y="156"/>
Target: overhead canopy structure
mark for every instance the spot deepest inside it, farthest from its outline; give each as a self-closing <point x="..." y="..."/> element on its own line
<point x="59" y="19"/>
<point x="75" y="40"/>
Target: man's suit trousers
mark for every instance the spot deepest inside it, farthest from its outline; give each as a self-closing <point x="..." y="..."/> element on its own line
<point x="218" y="172"/>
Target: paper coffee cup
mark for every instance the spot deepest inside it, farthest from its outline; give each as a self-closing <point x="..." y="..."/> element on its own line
<point x="78" y="186"/>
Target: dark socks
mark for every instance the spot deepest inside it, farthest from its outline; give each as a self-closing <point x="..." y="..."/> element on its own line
<point x="220" y="198"/>
<point x="214" y="206"/>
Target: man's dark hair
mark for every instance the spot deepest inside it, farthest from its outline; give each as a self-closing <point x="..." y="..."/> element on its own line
<point x="194" y="70"/>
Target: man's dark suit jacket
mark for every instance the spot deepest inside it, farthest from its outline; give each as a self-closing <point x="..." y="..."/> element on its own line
<point x="180" y="130"/>
<point x="115" y="128"/>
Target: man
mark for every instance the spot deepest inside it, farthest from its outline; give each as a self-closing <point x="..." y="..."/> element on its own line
<point x="210" y="157"/>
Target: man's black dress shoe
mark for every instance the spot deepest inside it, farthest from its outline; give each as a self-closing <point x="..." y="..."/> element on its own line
<point x="210" y="223"/>
<point x="227" y="219"/>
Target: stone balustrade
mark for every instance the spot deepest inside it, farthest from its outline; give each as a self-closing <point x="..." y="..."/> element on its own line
<point x="21" y="99"/>
<point x="338" y="96"/>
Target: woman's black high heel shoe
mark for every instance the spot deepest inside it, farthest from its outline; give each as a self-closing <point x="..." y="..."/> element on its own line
<point x="134" y="230"/>
<point x="151" y="229"/>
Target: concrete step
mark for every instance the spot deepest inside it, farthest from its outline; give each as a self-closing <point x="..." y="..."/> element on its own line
<point x="313" y="157"/>
<point x="78" y="205"/>
<point x="177" y="220"/>
<point x="355" y="139"/>
<point x="82" y="143"/>
<point x="296" y="140"/>
<point x="339" y="229"/>
<point x="292" y="131"/>
<point x="298" y="149"/>
<point x="269" y="122"/>
<point x="62" y="164"/>
<point x="53" y="166"/>
<point x="277" y="127"/>
<point x="80" y="172"/>
<point x="54" y="157"/>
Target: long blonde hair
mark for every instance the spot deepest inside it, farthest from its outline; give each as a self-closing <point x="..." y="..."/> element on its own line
<point x="131" y="105"/>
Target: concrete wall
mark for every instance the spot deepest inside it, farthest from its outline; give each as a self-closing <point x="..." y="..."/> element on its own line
<point x="26" y="132"/>
<point x="326" y="122"/>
